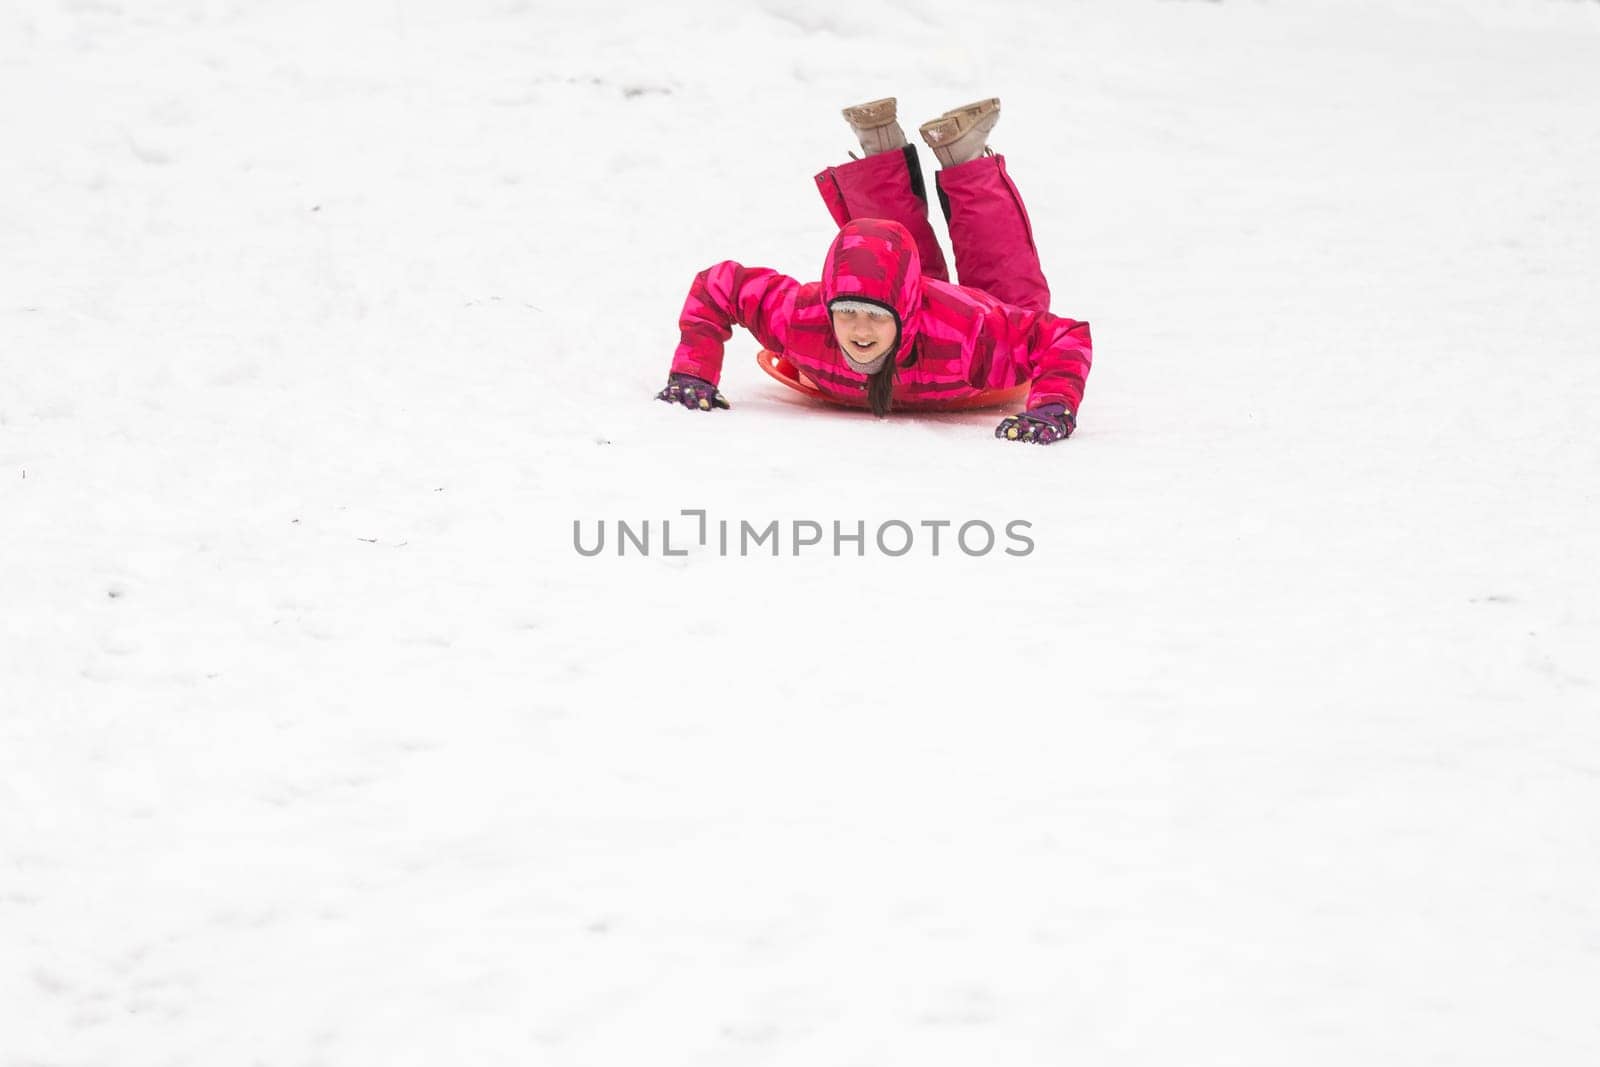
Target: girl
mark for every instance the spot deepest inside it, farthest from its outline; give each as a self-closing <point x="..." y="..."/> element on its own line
<point x="885" y="320"/>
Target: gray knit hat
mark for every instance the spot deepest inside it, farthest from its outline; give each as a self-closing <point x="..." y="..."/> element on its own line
<point x="846" y="304"/>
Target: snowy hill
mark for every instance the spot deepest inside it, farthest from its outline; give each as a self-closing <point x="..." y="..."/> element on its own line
<point x="320" y="743"/>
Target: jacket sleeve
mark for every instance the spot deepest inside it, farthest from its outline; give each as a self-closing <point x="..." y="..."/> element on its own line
<point x="760" y="300"/>
<point x="1057" y="353"/>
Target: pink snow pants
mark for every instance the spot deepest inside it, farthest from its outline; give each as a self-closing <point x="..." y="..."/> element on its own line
<point x="989" y="228"/>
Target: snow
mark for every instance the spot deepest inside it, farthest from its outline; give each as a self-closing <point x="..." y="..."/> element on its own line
<point x="321" y="325"/>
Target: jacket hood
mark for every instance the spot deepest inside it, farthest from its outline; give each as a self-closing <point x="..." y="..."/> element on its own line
<point x="876" y="260"/>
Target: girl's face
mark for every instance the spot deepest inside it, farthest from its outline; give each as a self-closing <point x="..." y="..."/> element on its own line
<point x="864" y="334"/>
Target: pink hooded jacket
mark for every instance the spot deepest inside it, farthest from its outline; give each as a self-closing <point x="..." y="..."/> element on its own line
<point x="954" y="340"/>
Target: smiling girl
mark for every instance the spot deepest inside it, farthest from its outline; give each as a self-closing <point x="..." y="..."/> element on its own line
<point x="885" y="326"/>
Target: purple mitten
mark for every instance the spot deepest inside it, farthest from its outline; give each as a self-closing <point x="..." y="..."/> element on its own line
<point x="1040" y="425"/>
<point x="691" y="392"/>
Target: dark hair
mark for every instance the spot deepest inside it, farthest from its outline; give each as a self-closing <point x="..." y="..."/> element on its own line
<point x="880" y="387"/>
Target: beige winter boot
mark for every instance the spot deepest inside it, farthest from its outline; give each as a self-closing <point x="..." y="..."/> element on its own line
<point x="961" y="134"/>
<point x="876" y="126"/>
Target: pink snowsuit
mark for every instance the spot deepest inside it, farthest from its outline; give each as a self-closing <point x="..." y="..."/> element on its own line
<point x="993" y="331"/>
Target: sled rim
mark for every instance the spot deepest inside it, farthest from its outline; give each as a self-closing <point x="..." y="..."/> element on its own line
<point x="780" y="369"/>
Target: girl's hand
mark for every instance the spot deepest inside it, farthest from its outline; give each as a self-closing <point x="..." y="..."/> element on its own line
<point x="1039" y="426"/>
<point x="692" y="392"/>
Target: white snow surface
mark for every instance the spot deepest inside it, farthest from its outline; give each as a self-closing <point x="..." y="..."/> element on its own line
<point x="321" y="324"/>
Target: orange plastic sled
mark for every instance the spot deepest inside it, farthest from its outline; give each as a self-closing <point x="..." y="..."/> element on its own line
<point x="782" y="370"/>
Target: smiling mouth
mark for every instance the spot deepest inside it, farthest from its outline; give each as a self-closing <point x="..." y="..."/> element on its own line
<point x="859" y="347"/>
